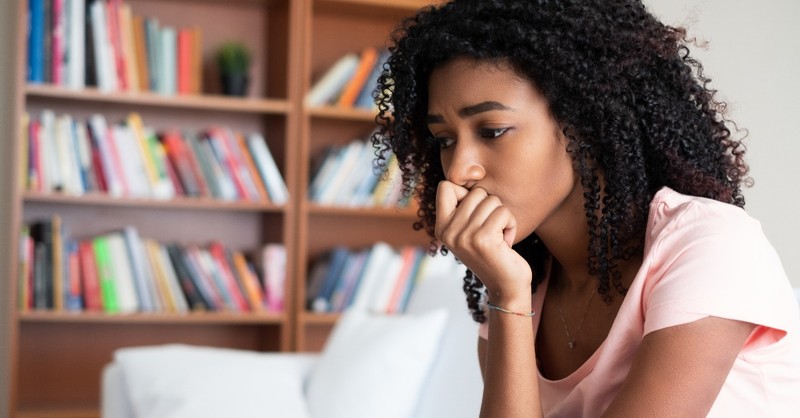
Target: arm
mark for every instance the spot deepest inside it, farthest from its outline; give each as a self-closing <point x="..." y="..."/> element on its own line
<point x="679" y="370"/>
<point x="480" y="231"/>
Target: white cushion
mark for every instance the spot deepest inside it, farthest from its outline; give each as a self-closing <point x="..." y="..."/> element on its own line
<point x="177" y="381"/>
<point x="374" y="365"/>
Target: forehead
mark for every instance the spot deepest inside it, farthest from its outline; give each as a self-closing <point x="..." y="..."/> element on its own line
<point x="466" y="81"/>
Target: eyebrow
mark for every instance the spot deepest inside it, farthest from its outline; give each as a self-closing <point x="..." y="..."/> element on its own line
<point x="472" y="110"/>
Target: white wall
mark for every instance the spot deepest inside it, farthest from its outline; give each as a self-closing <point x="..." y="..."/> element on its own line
<point x="753" y="58"/>
<point x="6" y="99"/>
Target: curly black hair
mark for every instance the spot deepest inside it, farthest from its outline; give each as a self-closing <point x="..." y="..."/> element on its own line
<point x="634" y="105"/>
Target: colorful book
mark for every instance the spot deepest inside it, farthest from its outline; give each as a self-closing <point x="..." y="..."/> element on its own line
<point x="328" y="87"/>
<point x="268" y="169"/>
<point x="367" y="61"/>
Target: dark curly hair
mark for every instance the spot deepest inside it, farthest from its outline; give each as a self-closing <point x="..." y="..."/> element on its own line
<point x="634" y="105"/>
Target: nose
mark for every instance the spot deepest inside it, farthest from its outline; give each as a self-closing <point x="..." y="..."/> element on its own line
<point x="463" y="165"/>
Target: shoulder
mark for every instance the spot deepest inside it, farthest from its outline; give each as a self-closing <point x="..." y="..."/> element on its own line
<point x="696" y="217"/>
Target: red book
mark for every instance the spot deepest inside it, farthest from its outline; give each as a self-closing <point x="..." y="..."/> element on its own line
<point x="227" y="160"/>
<point x="92" y="298"/>
<point x="180" y="157"/>
<point x="57" y="43"/>
<point x="185" y="61"/>
<point x="115" y="39"/>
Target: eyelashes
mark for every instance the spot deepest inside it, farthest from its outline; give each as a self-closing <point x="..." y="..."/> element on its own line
<point x="443" y="142"/>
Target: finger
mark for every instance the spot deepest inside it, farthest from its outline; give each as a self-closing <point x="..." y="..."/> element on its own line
<point x="501" y="219"/>
<point x="448" y="196"/>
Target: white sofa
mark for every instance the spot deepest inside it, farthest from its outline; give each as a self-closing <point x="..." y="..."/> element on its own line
<point x="422" y="364"/>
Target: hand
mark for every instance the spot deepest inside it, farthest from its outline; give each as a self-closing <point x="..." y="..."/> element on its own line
<point x="480" y="231"/>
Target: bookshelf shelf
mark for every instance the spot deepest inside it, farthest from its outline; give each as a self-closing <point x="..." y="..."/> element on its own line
<point x="375" y="212"/>
<point x="207" y="102"/>
<point x="401" y="5"/>
<point x="196" y="318"/>
<point x="203" y="204"/>
<point x="340" y="113"/>
<point x="310" y="318"/>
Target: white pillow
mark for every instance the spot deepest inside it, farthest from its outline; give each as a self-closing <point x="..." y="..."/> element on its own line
<point x="374" y="365"/>
<point x="177" y="381"/>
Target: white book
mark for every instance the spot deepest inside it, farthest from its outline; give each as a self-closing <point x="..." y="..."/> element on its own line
<point x="362" y="169"/>
<point x="268" y="169"/>
<point x="132" y="164"/>
<point x="76" y="51"/>
<point x="347" y="164"/>
<point x="143" y="281"/>
<point x="274" y="269"/>
<point x="374" y="271"/>
<point x="51" y="173"/>
<point x="99" y="128"/>
<point x="386" y="283"/>
<point x="105" y="64"/>
<point x="332" y="82"/>
<point x="123" y="275"/>
<point x="70" y="165"/>
<point x="324" y="172"/>
<point x="168" y="71"/>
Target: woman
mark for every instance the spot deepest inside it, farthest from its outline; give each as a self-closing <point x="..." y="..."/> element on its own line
<point x="572" y="156"/>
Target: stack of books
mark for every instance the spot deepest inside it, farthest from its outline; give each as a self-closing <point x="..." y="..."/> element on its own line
<point x="121" y="272"/>
<point x="80" y="43"/>
<point x="128" y="159"/>
<point x="351" y="81"/>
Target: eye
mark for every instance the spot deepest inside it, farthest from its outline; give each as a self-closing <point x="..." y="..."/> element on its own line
<point x="441" y="141"/>
<point x="491" y="133"/>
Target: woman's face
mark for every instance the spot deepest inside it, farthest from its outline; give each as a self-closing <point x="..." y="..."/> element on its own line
<point x="496" y="132"/>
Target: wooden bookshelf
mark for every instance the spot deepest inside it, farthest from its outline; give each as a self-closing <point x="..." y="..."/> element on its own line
<point x="57" y="357"/>
<point x="331" y="29"/>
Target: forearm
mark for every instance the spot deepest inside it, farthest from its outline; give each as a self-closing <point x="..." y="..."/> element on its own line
<point x="510" y="378"/>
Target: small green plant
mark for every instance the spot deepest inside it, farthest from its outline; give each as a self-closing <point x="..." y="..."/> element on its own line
<point x="233" y="58"/>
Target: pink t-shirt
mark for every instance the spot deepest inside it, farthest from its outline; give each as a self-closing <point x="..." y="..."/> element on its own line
<point x="701" y="258"/>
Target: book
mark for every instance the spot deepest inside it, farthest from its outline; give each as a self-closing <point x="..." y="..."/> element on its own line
<point x="195" y="298"/>
<point x="168" y="83"/>
<point x="92" y="296"/>
<point x="253" y="289"/>
<point x="367" y="61"/>
<point x="105" y="274"/>
<point x="143" y="281"/>
<point x="274" y="262"/>
<point x="270" y="175"/>
<point x="322" y="301"/>
<point x="225" y="270"/>
<point x="57" y="262"/>
<point x="36" y="41"/>
<point x="328" y="87"/>
<point x="127" y="298"/>
<point x="349" y="280"/>
<point x="381" y="254"/>
<point x="366" y="98"/>
<point x="142" y="57"/>
<point x="185" y="61"/>
<point x="105" y="66"/>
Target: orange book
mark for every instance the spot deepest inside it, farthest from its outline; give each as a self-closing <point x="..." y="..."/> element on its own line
<point x="369" y="57"/>
<point x="185" y="61"/>
<point x="140" y="47"/>
<point x="252" y="287"/>
<point x="197" y="61"/>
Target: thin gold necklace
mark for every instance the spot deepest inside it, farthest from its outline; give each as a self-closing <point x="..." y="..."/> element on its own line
<point x="571" y="342"/>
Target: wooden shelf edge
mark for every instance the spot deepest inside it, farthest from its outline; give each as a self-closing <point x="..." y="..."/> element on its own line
<point x="376" y="211"/>
<point x="209" y="102"/>
<point x="200" y="318"/>
<point x="404" y="5"/>
<point x="62" y="411"/>
<point x="342" y="113"/>
<point x="99" y="199"/>
<point x="314" y="318"/>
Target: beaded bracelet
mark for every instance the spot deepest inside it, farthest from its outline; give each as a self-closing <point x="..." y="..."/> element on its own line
<point x="497" y="308"/>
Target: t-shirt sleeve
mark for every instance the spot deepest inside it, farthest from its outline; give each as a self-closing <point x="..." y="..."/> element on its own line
<point x="714" y="260"/>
